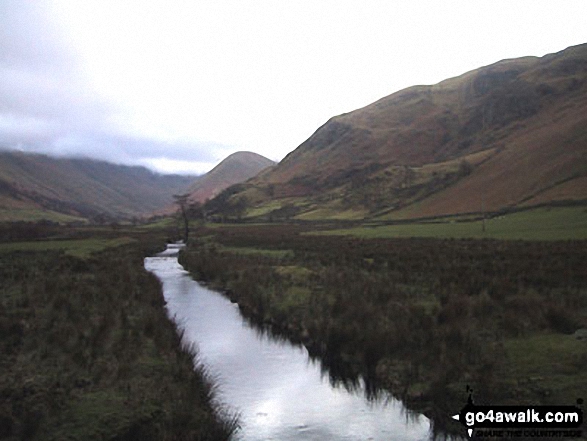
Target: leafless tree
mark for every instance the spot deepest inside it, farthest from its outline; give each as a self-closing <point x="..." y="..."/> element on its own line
<point x="181" y="200"/>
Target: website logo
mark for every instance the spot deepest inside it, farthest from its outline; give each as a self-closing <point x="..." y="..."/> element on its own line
<point x="521" y="421"/>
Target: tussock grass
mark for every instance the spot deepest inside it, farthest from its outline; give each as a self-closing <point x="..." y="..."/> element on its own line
<point x="548" y="366"/>
<point x="423" y="317"/>
<point x="88" y="351"/>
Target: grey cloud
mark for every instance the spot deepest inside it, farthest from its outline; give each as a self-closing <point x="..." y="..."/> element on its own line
<point x="129" y="149"/>
<point x="27" y="37"/>
<point x="41" y="91"/>
<point x="111" y="147"/>
<point x="50" y="95"/>
<point x="46" y="105"/>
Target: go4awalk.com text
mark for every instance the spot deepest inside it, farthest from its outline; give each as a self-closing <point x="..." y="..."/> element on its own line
<point x="521" y="421"/>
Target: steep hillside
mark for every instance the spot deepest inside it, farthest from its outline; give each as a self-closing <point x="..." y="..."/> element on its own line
<point x="510" y="134"/>
<point x="234" y="169"/>
<point x="32" y="184"/>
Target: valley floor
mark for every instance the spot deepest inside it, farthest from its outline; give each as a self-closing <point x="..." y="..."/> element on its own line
<point x="88" y="351"/>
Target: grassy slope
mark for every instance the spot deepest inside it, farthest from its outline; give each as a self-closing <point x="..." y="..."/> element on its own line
<point x="519" y="124"/>
<point x="534" y="161"/>
<point x="80" y="186"/>
<point x="234" y="169"/>
<point x="31" y="214"/>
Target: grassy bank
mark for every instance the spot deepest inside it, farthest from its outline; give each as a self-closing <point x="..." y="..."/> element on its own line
<point x="88" y="351"/>
<point x="422" y="317"/>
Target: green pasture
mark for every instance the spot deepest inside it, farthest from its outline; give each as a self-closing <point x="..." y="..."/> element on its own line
<point x="556" y="223"/>
<point x="279" y="254"/>
<point x="331" y="214"/>
<point x="75" y="247"/>
<point x="35" y="215"/>
<point x="165" y="222"/>
<point x="549" y="365"/>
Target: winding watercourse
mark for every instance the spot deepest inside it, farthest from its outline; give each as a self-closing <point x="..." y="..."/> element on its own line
<point x="277" y="390"/>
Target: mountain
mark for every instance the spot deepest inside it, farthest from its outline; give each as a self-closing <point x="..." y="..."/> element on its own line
<point x="34" y="186"/>
<point x="507" y="135"/>
<point x="234" y="169"/>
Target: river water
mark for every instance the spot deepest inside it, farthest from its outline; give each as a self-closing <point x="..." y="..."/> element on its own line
<point x="278" y="391"/>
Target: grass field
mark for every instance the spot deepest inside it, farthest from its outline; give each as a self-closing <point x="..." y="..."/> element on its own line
<point x="547" y="364"/>
<point x="332" y="214"/>
<point x="256" y="251"/>
<point x="560" y="223"/>
<point x="34" y="215"/>
<point x="81" y="248"/>
<point x="166" y="222"/>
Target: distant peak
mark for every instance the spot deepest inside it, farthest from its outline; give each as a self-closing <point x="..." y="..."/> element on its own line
<point x="246" y="155"/>
<point x="235" y="168"/>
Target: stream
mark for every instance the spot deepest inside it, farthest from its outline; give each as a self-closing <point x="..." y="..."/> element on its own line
<point x="278" y="392"/>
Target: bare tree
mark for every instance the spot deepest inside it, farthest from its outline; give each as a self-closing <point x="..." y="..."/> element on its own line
<point x="188" y="211"/>
<point x="483" y="213"/>
<point x="181" y="200"/>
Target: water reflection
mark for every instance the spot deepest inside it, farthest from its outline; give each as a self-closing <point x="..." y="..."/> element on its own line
<point x="280" y="392"/>
<point x="337" y="373"/>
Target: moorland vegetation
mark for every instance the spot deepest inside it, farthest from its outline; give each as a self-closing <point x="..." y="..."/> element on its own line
<point x="88" y="351"/>
<point x="421" y="317"/>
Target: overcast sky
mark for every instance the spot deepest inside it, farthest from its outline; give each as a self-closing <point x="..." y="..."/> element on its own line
<point x="179" y="85"/>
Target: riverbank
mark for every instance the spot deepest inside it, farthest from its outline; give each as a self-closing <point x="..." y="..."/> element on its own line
<point x="88" y="350"/>
<point x="423" y="318"/>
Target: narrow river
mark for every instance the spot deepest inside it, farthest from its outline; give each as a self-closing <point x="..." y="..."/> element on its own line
<point x="279" y="393"/>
